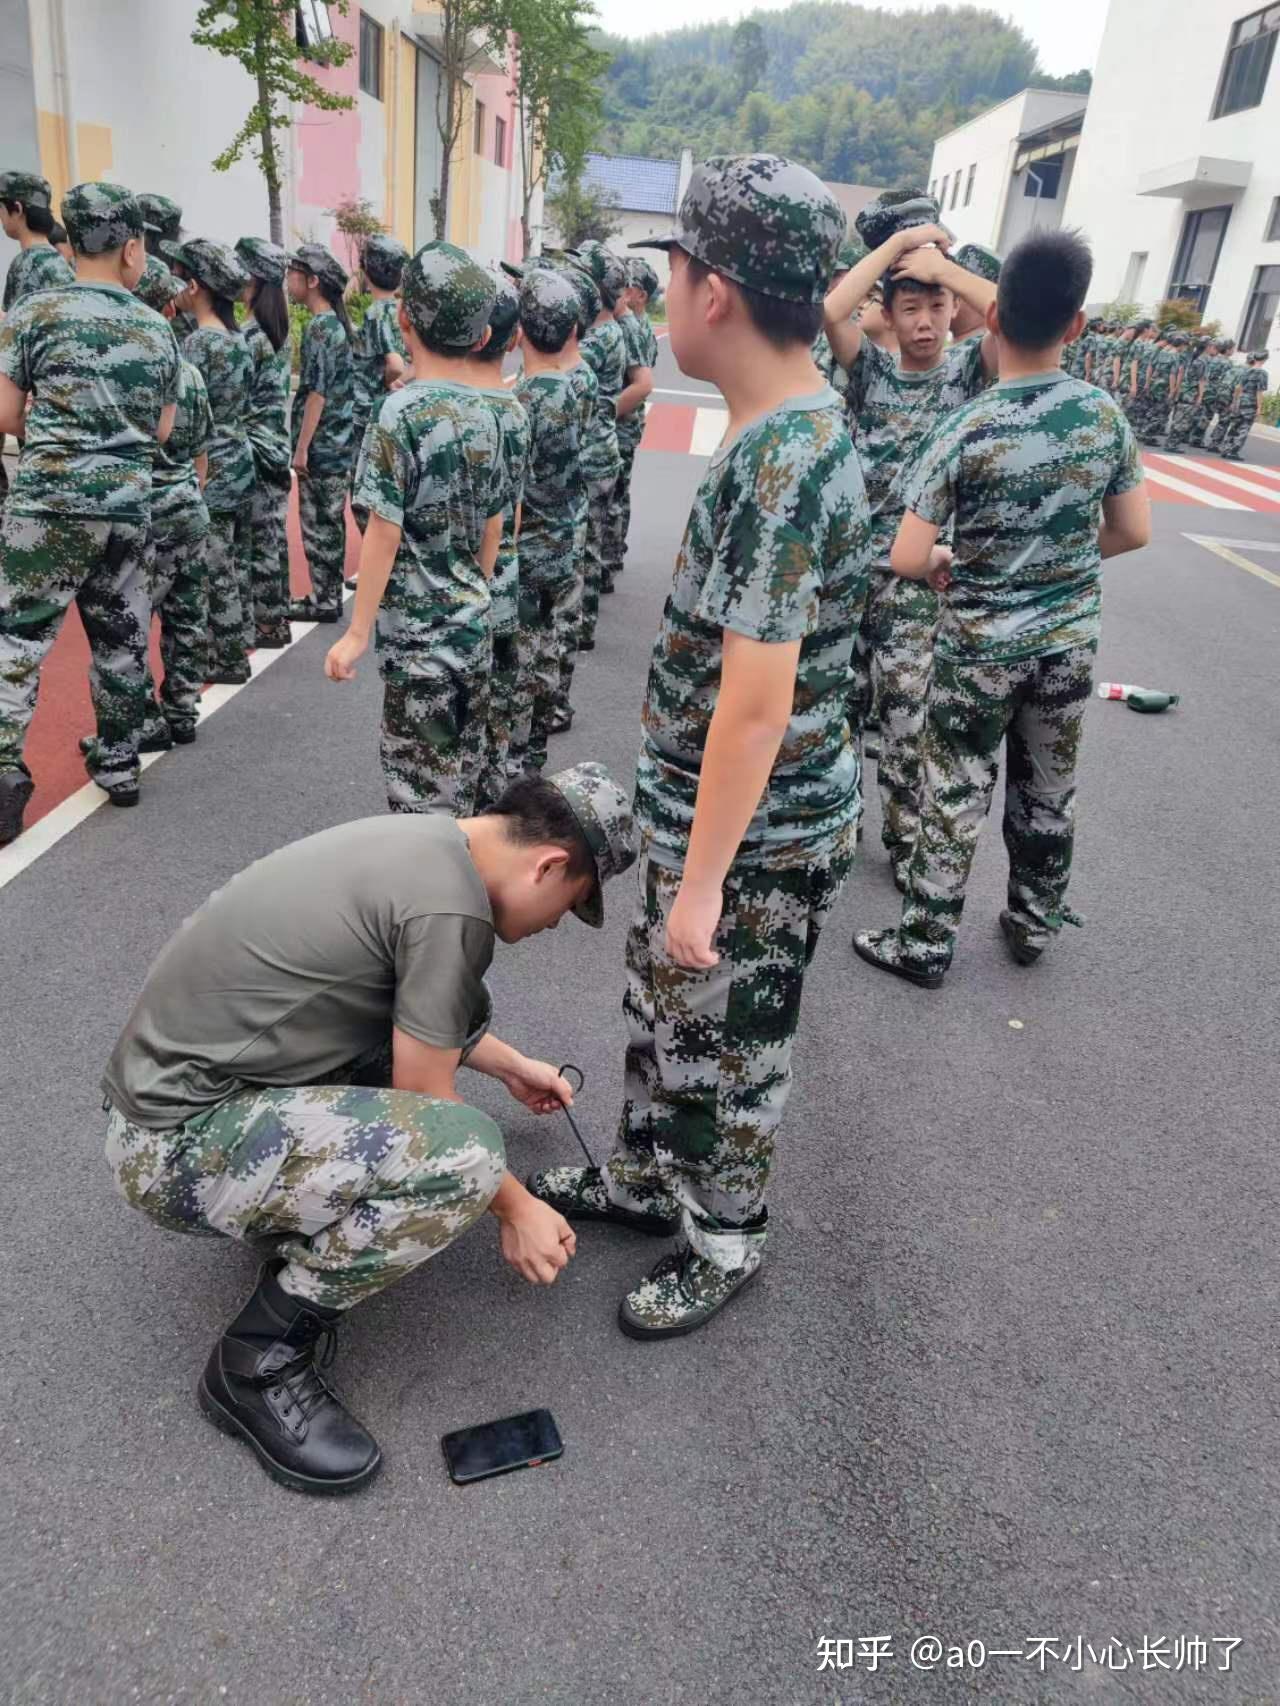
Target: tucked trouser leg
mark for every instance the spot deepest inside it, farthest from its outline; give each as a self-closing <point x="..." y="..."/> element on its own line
<point x="227" y="553"/>
<point x="433" y="734"/>
<point x="599" y="501"/>
<point x="1234" y="434"/>
<point x="708" y="1064"/>
<point x="902" y="623"/>
<point x="180" y="593"/>
<point x="1040" y="789"/>
<point x="567" y="617"/>
<point x="267" y="611"/>
<point x="620" y="513"/>
<point x="504" y="686"/>
<point x="353" y="1186"/>
<point x="322" y="517"/>
<point x="522" y="708"/>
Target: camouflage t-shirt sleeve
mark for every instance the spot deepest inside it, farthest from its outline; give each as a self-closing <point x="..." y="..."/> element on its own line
<point x="385" y="473"/>
<point x="15" y="352"/>
<point x="172" y="370"/>
<point x="930" y="492"/>
<point x="765" y="576"/>
<point x="201" y="419"/>
<point x="309" y="363"/>
<point x="1128" y="471"/>
<point x="325" y="366"/>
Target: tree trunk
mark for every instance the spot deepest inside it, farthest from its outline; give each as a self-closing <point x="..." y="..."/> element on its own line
<point x="270" y="159"/>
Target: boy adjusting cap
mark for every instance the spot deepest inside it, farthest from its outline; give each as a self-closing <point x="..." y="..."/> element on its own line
<point x="763" y="221"/>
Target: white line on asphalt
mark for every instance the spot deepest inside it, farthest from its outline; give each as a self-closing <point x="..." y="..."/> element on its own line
<point x="1261" y="468"/>
<point x="1212" y="472"/>
<point x="702" y="396"/>
<point x="1214" y="499"/>
<point x="708" y="430"/>
<point x="1220" y="548"/>
<point x="33" y="843"/>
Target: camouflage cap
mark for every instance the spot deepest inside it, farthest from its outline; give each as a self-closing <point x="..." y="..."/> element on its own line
<point x="520" y="270"/>
<point x="607" y="271"/>
<point x="590" y="302"/>
<point x="893" y="211"/>
<point x="315" y="259"/>
<point x="550" y="306"/>
<point x="979" y="260"/>
<point x="447" y="294"/>
<point x="161" y="215"/>
<point x="384" y="260"/>
<point x="215" y="265"/>
<point x="604" y="817"/>
<point x="762" y="221"/>
<point x="262" y="259"/>
<point x="101" y="217"/>
<point x="158" y="287"/>
<point x="27" y="187"/>
<point x="643" y="276"/>
<point x="504" y="316"/>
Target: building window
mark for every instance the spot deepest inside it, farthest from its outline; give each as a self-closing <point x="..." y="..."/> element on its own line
<point x="942" y="199"/>
<point x="1273" y="224"/>
<point x="1131" y="289"/>
<point x="1043" y="180"/>
<point x="371" y="56"/>
<point x="1244" y="71"/>
<point x="313" y="26"/>
<point x="1197" y="258"/>
<point x="1264" y="300"/>
<point x="478" y="138"/>
<point x="968" y="188"/>
<point x="499" y="141"/>
<point x="955" y="189"/>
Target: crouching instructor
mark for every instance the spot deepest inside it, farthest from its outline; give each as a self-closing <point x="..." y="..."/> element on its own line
<point x="288" y="1078"/>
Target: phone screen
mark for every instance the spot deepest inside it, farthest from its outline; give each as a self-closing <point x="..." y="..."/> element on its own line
<point x="515" y="1442"/>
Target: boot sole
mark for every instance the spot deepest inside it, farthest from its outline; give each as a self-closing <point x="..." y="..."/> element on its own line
<point x="921" y="979"/>
<point x="633" y="1330"/>
<point x="226" y="1423"/>
<point x="645" y="1223"/>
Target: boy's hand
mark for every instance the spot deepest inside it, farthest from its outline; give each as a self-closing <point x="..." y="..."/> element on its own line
<point x="537" y="1085"/>
<point x="915" y="235"/>
<point x="537" y="1241"/>
<point x="939" y="571"/>
<point x="926" y="266"/>
<point x="300" y="463"/>
<point x="340" y="664"/>
<point x="691" y="927"/>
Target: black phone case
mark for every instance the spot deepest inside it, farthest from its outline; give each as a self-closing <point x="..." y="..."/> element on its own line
<point x="555" y="1449"/>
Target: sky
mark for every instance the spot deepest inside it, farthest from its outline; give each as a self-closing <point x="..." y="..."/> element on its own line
<point x="1067" y="36"/>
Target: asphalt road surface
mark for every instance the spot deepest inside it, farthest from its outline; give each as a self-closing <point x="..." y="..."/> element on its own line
<point x="1010" y="1372"/>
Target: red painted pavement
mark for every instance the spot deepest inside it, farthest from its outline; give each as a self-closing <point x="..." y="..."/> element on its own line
<point x="1202" y="474"/>
<point x="669" y="426"/>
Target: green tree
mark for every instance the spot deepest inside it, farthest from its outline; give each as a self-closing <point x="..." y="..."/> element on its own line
<point x="755" y="121"/>
<point x="579" y="211"/>
<point x="471" y="32"/>
<point x="261" y="36"/>
<point x="557" y="89"/>
<point x="749" y="57"/>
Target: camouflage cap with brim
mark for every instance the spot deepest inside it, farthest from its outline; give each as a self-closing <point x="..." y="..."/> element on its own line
<point x="504" y="316"/>
<point x="27" y="187"/>
<point x="893" y="211"/>
<point x="214" y="265"/>
<point x="643" y="276"/>
<point x="447" y="296"/>
<point x="604" y="816"/>
<point x="161" y="215"/>
<point x="316" y="261"/>
<point x="263" y="259"/>
<point x="607" y="271"/>
<point x="384" y="260"/>
<point x="158" y="287"/>
<point x="520" y="270"/>
<point x="979" y="260"/>
<point x="550" y="306"/>
<point x="590" y="302"/>
<point x="101" y="217"/>
<point x="765" y="222"/>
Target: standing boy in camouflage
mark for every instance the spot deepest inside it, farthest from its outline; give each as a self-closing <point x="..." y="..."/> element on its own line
<point x="288" y="1078"/>
<point x="266" y="331"/>
<point x="1219" y="387"/>
<point x="604" y="349"/>
<point x="25" y="217"/>
<point x="102" y="369"/>
<point x="901" y="400"/>
<point x="747" y="785"/>
<point x="1182" y="422"/>
<point x="322" y="428"/>
<point x="1244" y="409"/>
<point x="433" y="483"/>
<point x="1042" y="479"/>
<point x="378" y="353"/>
<point x="641" y="358"/>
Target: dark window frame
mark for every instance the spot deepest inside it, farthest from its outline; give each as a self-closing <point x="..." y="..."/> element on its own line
<point x="1273" y="223"/>
<point x="1246" y="65"/>
<point x="477" y="133"/>
<point x="1182" y="254"/>
<point x="499" y="140"/>
<point x="942" y="199"/>
<point x="968" y="188"/>
<point x="1033" y="185"/>
<point x="373" y="44"/>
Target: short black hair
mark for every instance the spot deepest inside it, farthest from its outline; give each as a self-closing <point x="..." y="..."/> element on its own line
<point x="58" y="234"/>
<point x="544" y="345"/>
<point x="495" y="349"/>
<point x="383" y="274"/>
<point x="892" y="288"/>
<point x="782" y="323"/>
<point x="39" y="219"/>
<point x="536" y="813"/>
<point x="1043" y="285"/>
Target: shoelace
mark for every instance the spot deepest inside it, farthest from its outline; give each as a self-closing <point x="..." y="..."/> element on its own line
<point x="301" y="1380"/>
<point x="676" y="1262"/>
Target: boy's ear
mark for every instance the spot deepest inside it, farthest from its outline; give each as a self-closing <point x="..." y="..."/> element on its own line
<point x="719" y="299"/>
<point x="993" y="319"/>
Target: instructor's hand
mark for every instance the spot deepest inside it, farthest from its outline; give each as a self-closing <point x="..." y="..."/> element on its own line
<point x="340" y="664"/>
<point x="691" y="927"/>
<point x="537" y="1085"/>
<point x="537" y="1241"/>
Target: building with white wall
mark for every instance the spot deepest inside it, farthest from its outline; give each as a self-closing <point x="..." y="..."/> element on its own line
<point x="1009" y="170"/>
<point x="1178" y="179"/>
<point x="643" y="194"/>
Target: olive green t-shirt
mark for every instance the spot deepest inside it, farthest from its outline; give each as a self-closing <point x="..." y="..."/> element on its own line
<point x="304" y="962"/>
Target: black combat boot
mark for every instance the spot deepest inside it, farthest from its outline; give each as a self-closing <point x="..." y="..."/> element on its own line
<point x="263" y="1384"/>
<point x="16" y="788"/>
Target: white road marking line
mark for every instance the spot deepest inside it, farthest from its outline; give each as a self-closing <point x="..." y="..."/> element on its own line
<point x="1214" y="499"/>
<point x="1271" y="493"/>
<point x="1240" y="544"/>
<point x="702" y="396"/>
<point x="1220" y="549"/>
<point x="708" y="430"/>
<point x="33" y="843"/>
<point x="1261" y="468"/>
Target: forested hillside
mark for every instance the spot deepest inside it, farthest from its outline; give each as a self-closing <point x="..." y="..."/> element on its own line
<point x="857" y="93"/>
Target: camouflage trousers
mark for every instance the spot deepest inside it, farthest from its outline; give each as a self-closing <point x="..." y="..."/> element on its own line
<point x="322" y="517"/>
<point x="615" y="545"/>
<point x="434" y="725"/>
<point x="1036" y="707"/>
<point x="892" y="659"/>
<point x="568" y="621"/>
<point x="553" y="615"/>
<point x="1186" y="423"/>
<point x="230" y="583"/>
<point x="522" y="704"/>
<point x="1233" y="433"/>
<point x="708" y="1063"/>
<point x="599" y="504"/>
<point x="266" y="611"/>
<point x="46" y="561"/>
<point x="352" y="1186"/>
<point x="504" y="703"/>
<point x="180" y="598"/>
<point x="1213" y="419"/>
<point x="1150" y="418"/>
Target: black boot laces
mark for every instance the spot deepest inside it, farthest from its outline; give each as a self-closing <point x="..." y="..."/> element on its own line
<point x="300" y="1380"/>
<point x="676" y="1262"/>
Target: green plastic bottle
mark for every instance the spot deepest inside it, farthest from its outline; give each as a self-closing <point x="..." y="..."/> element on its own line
<point x="1146" y="699"/>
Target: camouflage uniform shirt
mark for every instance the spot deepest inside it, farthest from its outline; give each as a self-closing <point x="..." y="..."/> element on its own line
<point x="1162" y="369"/>
<point x="776" y="548"/>
<point x="377" y="338"/>
<point x="504" y="588"/>
<point x="1252" y="381"/>
<point x="432" y="465"/>
<point x="102" y="367"/>
<point x="225" y="362"/>
<point x="605" y="352"/>
<point x="897" y="411"/>
<point x="175" y="488"/>
<point x="327" y="368"/>
<point x="267" y="422"/>
<point x="642" y="351"/>
<point x="1023" y="470"/>
<point x="40" y="267"/>
<point x="555" y="490"/>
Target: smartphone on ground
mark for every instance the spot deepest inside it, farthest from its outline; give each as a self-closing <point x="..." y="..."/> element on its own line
<point x="495" y="1448"/>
